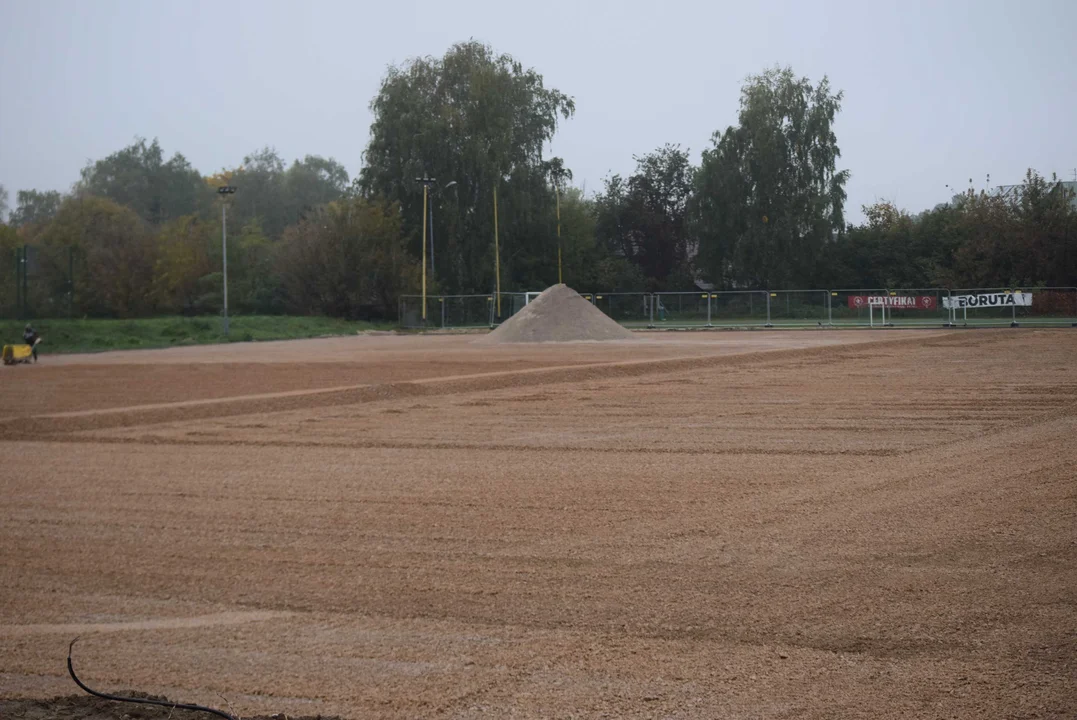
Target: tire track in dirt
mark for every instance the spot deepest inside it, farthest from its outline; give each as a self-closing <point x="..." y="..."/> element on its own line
<point x="41" y="426"/>
<point x="180" y="623"/>
<point x="361" y="445"/>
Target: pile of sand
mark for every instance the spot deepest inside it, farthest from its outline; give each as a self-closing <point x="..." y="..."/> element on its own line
<point x="557" y="315"/>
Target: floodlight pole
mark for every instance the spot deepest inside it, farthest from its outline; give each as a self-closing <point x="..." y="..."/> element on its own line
<point x="557" y="194"/>
<point x="225" y="190"/>
<point x="497" y="259"/>
<point x="426" y="182"/>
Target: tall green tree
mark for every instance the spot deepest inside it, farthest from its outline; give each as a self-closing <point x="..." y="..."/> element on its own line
<point x="589" y="265"/>
<point x="768" y="194"/>
<point x="184" y="249"/>
<point x="644" y="218"/>
<point x="3" y="204"/>
<point x="475" y="120"/>
<point x="1046" y="211"/>
<point x="114" y="255"/>
<point x="275" y="195"/>
<point x="34" y="207"/>
<point x="347" y="259"/>
<point x="139" y="177"/>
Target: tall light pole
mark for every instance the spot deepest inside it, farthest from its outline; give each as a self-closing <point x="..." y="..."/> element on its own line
<point x="557" y="194"/>
<point x="223" y="191"/>
<point x="497" y="260"/>
<point x="426" y="183"/>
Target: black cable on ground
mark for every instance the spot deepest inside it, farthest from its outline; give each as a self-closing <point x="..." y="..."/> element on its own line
<point x="144" y="701"/>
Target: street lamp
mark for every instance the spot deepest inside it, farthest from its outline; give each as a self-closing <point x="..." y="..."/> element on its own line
<point x="426" y="183"/>
<point x="428" y="218"/>
<point x="223" y="191"/>
<point x="557" y="194"/>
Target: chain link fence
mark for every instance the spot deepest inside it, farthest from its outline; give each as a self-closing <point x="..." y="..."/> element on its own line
<point x="39" y="283"/>
<point x="1043" y="306"/>
<point x="629" y="309"/>
<point x="902" y="307"/>
<point x="798" y="308"/>
<point x="849" y="308"/>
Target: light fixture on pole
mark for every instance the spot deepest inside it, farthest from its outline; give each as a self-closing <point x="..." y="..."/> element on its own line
<point x="223" y="191"/>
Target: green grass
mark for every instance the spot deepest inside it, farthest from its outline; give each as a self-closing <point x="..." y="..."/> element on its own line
<point x="70" y="336"/>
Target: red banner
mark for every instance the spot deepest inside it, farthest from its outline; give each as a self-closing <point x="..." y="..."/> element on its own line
<point x="898" y="302"/>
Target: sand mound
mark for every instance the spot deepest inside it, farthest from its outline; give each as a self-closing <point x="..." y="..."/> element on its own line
<point x="557" y="315"/>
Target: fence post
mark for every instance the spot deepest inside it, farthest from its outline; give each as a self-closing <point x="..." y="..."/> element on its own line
<point x="830" y="308"/>
<point x="442" y="299"/>
<point x="708" y="308"/>
<point x="651" y="298"/>
<point x="768" y="309"/>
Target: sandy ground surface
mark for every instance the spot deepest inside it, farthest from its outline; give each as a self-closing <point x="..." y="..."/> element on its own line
<point x="61" y="383"/>
<point x="745" y="525"/>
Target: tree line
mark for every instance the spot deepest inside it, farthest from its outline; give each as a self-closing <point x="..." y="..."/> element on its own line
<point x="139" y="232"/>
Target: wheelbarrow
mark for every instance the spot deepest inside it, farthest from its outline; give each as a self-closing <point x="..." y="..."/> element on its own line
<point x="18" y="354"/>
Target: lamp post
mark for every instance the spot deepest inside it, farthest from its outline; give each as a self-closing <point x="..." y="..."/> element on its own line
<point x="557" y="195"/>
<point x="426" y="182"/>
<point x="223" y="191"/>
<point x="497" y="260"/>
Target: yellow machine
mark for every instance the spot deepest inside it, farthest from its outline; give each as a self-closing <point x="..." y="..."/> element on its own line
<point x="15" y="354"/>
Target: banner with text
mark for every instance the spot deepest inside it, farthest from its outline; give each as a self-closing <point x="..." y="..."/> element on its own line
<point x="899" y="302"/>
<point x="985" y="300"/>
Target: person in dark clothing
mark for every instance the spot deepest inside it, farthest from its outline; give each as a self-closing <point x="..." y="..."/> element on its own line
<point x="29" y="336"/>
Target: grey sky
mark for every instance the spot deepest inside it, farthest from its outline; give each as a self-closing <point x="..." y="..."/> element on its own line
<point x="935" y="93"/>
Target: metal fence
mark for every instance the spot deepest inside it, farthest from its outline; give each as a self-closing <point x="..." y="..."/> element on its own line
<point x="865" y="307"/>
<point x="793" y="308"/>
<point x="901" y="307"/>
<point x="629" y="309"/>
<point x="1049" y="306"/>
<point x="39" y="284"/>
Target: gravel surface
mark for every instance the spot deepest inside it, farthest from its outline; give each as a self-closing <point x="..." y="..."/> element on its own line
<point x="713" y="527"/>
<point x="84" y="707"/>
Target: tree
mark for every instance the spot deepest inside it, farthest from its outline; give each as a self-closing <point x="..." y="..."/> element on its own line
<point x="273" y="196"/>
<point x="183" y="260"/>
<point x="140" y="178"/>
<point x="644" y="219"/>
<point x="260" y="197"/>
<point x="1047" y="236"/>
<point x="254" y="282"/>
<point x="589" y="265"/>
<point x="33" y="207"/>
<point x="3" y="203"/>
<point x="314" y="181"/>
<point x="481" y="120"/>
<point x="768" y="195"/>
<point x="114" y="253"/>
<point x="347" y="259"/>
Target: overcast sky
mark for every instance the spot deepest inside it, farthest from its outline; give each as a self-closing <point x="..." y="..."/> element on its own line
<point x="936" y="93"/>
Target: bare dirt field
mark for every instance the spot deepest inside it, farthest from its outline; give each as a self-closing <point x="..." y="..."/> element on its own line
<point x="745" y="525"/>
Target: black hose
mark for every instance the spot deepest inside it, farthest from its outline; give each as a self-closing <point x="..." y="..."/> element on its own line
<point x="144" y="701"/>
